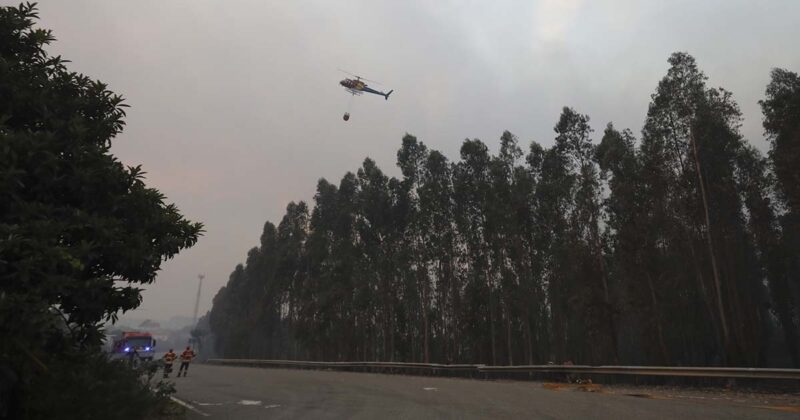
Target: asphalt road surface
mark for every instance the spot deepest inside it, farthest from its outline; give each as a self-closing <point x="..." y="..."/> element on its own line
<point x="226" y="392"/>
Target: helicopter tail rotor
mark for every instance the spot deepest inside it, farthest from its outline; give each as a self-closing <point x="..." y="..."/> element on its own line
<point x="387" y="95"/>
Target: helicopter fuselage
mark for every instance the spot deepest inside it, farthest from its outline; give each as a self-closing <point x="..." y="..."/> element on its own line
<point x="357" y="87"/>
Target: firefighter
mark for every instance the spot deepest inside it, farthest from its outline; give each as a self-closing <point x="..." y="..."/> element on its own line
<point x="169" y="358"/>
<point x="186" y="358"/>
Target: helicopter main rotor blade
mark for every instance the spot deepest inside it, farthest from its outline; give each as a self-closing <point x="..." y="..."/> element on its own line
<point x="359" y="77"/>
<point x="347" y="72"/>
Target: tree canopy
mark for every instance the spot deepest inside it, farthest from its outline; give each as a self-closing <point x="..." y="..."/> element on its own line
<point x="79" y="231"/>
<point x="677" y="248"/>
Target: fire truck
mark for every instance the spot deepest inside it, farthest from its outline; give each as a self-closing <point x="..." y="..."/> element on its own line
<point x="135" y="344"/>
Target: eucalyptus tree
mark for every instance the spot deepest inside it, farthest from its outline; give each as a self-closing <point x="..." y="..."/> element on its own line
<point x="471" y="186"/>
<point x="227" y="316"/>
<point x="757" y="188"/>
<point x="345" y="283"/>
<point x="378" y="239"/>
<point x="690" y="146"/>
<point x="586" y="277"/>
<point x="508" y="213"/>
<point x="638" y="292"/>
<point x="531" y="215"/>
<point x="437" y="222"/>
<point x="287" y="265"/>
<point x="781" y="109"/>
<point x="320" y="314"/>
<point x="411" y="159"/>
<point x="553" y="202"/>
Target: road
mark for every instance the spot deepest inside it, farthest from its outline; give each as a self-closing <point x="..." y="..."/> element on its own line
<point x="227" y="392"/>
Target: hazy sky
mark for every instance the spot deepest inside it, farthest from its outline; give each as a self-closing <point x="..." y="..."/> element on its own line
<point x="236" y="108"/>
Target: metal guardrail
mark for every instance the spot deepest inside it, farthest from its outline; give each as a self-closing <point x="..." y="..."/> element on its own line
<point x="707" y="372"/>
<point x="344" y="365"/>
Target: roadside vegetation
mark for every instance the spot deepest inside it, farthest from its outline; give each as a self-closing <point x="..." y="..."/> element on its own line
<point x="679" y="247"/>
<point x="79" y="234"/>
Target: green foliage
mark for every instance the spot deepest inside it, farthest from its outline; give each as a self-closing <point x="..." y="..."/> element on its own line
<point x="89" y="386"/>
<point x="782" y="123"/>
<point x="78" y="230"/>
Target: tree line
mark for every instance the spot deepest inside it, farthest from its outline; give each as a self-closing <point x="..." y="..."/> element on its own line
<point x="681" y="247"/>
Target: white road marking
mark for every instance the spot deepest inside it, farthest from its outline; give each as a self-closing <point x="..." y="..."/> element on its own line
<point x="272" y="406"/>
<point x="201" y="403"/>
<point x="249" y="402"/>
<point x="189" y="406"/>
<point x="431" y="389"/>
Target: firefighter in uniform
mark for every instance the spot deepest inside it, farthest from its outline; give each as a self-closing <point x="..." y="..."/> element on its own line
<point x="169" y="358"/>
<point x="186" y="358"/>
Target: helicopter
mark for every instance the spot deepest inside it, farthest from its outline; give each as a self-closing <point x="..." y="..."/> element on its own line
<point x="357" y="86"/>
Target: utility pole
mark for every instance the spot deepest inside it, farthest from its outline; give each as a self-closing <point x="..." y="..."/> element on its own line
<point x="197" y="301"/>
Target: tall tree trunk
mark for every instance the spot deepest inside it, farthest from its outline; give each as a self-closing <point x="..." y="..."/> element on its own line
<point x="598" y="250"/>
<point x="454" y="315"/>
<point x="392" y="323"/>
<point x="508" y="338"/>
<point x="744" y="350"/>
<point x="704" y="291"/>
<point x="412" y="331"/>
<point x="715" y="270"/>
<point x="491" y="317"/>
<point x="557" y="330"/>
<point x="528" y="338"/>
<point x="665" y="359"/>
<point x="423" y="287"/>
<point x="790" y="335"/>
